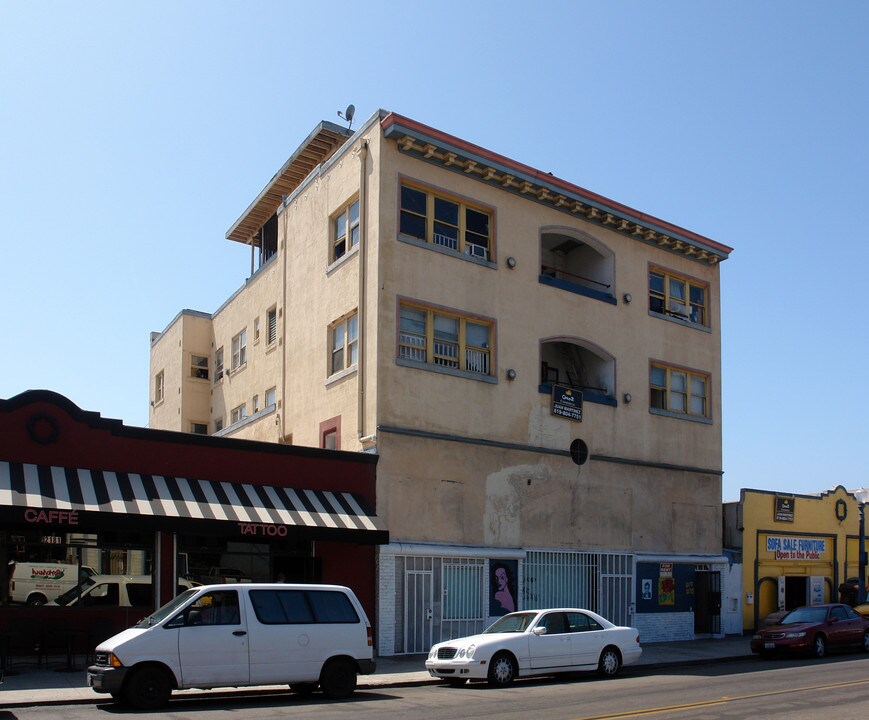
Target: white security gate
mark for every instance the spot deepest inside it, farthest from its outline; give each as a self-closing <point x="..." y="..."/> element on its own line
<point x="602" y="582"/>
<point x="462" y="593"/>
<point x="418" y="611"/>
<point x="617" y="589"/>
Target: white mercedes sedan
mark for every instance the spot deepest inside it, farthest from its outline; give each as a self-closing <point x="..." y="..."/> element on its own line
<point x="536" y="642"/>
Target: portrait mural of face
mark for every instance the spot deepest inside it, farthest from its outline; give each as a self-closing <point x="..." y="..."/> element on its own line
<point x="502" y="599"/>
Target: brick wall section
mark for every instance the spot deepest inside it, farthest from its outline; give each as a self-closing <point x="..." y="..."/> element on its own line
<point x="664" y="627"/>
<point x="386" y="594"/>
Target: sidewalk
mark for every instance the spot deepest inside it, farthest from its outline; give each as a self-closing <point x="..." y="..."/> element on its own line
<point x="31" y="686"/>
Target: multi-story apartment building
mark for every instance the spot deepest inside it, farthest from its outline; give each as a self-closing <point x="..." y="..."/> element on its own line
<point x="484" y="327"/>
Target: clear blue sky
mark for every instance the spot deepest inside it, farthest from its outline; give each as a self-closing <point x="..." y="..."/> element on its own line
<point x="132" y="136"/>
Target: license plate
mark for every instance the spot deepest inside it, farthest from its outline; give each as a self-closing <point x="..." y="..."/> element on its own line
<point x="769" y="645"/>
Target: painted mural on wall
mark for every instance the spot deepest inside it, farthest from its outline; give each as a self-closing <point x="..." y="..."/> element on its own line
<point x="502" y="579"/>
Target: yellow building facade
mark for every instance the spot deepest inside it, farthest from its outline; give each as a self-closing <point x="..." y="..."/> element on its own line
<point x="471" y="320"/>
<point x="796" y="549"/>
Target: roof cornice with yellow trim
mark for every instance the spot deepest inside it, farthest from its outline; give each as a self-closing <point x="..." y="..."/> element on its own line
<point x="455" y="154"/>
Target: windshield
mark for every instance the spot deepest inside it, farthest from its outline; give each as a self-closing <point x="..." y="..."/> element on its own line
<point x="805" y="615"/>
<point x="514" y="622"/>
<point x="73" y="593"/>
<point x="170" y="608"/>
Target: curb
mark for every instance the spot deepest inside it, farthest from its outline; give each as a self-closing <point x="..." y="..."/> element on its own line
<point x="252" y="692"/>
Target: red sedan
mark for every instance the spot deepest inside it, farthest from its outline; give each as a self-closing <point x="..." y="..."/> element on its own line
<point x="814" y="629"/>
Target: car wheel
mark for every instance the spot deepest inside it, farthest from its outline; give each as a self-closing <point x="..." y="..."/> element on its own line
<point x="303" y="689"/>
<point x="338" y="679"/>
<point x="502" y="670"/>
<point x="148" y="688"/>
<point x="37" y="600"/>
<point x="610" y="662"/>
<point x="819" y="646"/>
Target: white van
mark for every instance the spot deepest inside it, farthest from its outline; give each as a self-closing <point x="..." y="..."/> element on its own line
<point x="113" y="591"/>
<point x="237" y="635"/>
<point x="36" y="583"/>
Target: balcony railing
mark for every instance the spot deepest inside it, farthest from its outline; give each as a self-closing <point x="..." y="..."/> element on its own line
<point x="411" y="347"/>
<point x="445" y="241"/>
<point x="477" y="361"/>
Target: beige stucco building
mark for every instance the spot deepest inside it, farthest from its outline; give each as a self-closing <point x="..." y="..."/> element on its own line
<point x="469" y="319"/>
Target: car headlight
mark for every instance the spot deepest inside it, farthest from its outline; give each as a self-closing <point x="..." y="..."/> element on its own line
<point x="471" y="650"/>
<point x="462" y="653"/>
<point x="757" y="637"/>
<point x="432" y="653"/>
<point x="795" y="635"/>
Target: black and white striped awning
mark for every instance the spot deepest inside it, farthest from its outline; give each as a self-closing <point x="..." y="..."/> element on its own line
<point x="168" y="500"/>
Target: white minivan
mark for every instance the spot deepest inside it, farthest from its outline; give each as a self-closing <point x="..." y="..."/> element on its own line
<point x="236" y="635"/>
<point x="36" y="583"/>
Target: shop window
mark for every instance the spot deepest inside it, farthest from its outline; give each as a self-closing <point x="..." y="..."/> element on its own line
<point x="54" y="566"/>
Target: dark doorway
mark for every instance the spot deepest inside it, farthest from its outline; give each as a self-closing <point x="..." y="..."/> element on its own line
<point x="707" y="602"/>
<point x="796" y="592"/>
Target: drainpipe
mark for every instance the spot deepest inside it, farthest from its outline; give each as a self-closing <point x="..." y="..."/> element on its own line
<point x="363" y="253"/>
<point x="861" y="557"/>
<point x="280" y="421"/>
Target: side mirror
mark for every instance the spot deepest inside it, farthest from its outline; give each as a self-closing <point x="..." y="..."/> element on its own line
<point x="539" y="630"/>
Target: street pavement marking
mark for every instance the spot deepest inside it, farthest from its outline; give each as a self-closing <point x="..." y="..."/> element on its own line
<point x="723" y="700"/>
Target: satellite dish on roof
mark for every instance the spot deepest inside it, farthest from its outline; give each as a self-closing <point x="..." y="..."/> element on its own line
<point x="348" y="115"/>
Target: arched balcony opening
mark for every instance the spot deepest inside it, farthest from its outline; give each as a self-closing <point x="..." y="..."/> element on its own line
<point x="578" y="263"/>
<point x="578" y="365"/>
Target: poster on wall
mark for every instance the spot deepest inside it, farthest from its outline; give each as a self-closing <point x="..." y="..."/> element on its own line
<point x="666" y="591"/>
<point x="502" y="580"/>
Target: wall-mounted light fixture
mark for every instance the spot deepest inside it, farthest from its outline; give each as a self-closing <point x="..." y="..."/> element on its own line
<point x="627" y="297"/>
<point x="511" y="374"/>
<point x="511" y="262"/>
<point x="628" y="397"/>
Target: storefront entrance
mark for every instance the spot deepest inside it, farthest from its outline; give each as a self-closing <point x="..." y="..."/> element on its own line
<point x="707" y="603"/>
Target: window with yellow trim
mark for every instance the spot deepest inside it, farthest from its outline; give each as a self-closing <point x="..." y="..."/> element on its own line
<point x="444" y="339"/>
<point x="678" y="297"/>
<point x="445" y="222"/>
<point x="679" y="391"/>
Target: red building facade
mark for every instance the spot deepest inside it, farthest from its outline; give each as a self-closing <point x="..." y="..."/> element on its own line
<point x="84" y="496"/>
